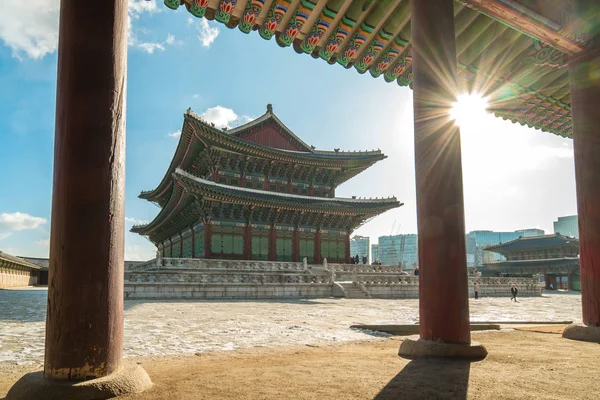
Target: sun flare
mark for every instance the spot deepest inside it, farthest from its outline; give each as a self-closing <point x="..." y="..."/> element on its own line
<point x="469" y="110"/>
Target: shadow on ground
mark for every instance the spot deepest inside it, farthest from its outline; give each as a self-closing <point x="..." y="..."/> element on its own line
<point x="431" y="378"/>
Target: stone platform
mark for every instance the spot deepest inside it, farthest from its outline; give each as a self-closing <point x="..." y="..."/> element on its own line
<point x="180" y="278"/>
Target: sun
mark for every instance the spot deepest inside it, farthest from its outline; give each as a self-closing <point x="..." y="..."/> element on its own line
<point x="469" y="110"/>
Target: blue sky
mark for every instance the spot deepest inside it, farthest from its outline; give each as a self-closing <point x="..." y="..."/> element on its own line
<point x="514" y="177"/>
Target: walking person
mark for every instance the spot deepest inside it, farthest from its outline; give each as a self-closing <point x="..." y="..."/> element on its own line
<point x="476" y="288"/>
<point x="514" y="291"/>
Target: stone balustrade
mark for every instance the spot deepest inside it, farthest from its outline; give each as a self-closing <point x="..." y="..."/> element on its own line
<point x="366" y="268"/>
<point x="233" y="265"/>
<point x="225" y="278"/>
<point x="398" y="286"/>
<point x="148" y="265"/>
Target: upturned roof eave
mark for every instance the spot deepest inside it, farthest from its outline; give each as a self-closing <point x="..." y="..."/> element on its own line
<point x="187" y="139"/>
<point x="10" y="259"/>
<point x="284" y="196"/>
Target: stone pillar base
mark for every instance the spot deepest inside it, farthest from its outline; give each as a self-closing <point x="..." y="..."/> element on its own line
<point x="414" y="347"/>
<point x="131" y="378"/>
<point x="582" y="332"/>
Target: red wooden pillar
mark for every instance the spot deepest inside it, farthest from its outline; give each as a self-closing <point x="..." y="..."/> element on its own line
<point x="296" y="245"/>
<point x="584" y="75"/>
<point x="443" y="295"/>
<point x="347" y="248"/>
<point x="318" y="259"/>
<point x="171" y="244"/>
<point x="272" y="243"/>
<point x="248" y="242"/>
<point x="84" y="325"/>
<point x="207" y="241"/>
<point x="193" y="242"/>
<point x="180" y="245"/>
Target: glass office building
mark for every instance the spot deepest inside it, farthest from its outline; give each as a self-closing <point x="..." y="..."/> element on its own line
<point x="567" y="226"/>
<point x="360" y="245"/>
<point x="397" y="249"/>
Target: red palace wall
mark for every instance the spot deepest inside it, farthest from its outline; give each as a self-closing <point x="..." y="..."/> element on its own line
<point x="270" y="135"/>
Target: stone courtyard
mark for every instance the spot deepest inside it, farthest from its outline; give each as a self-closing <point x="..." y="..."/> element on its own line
<point x="164" y="328"/>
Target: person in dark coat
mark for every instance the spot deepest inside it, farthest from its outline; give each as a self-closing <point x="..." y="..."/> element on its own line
<point x="514" y="291"/>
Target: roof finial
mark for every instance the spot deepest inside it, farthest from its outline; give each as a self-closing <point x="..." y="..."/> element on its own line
<point x="270" y="108"/>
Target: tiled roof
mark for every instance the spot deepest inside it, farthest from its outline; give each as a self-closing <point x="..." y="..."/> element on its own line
<point x="12" y="260"/>
<point x="533" y="243"/>
<point x="514" y="52"/>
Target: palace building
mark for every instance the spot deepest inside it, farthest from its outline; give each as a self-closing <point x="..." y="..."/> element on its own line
<point x="555" y="256"/>
<point x="257" y="192"/>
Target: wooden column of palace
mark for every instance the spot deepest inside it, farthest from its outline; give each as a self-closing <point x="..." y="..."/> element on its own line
<point x="584" y="75"/>
<point x="348" y="248"/>
<point x="84" y="325"/>
<point x="443" y="294"/>
<point x="272" y="243"/>
<point x="207" y="240"/>
<point x="318" y="259"/>
<point x="193" y="241"/>
<point x="296" y="245"/>
<point x="248" y="241"/>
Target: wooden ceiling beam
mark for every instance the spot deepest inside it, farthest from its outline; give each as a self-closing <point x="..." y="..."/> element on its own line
<point x="525" y="21"/>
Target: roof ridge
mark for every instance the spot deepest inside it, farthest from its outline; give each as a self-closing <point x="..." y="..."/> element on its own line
<point x="283" y="195"/>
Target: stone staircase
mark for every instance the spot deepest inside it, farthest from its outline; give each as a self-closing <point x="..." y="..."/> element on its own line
<point x="353" y="291"/>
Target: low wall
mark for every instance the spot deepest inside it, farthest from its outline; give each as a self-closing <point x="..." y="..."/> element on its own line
<point x="221" y="283"/>
<point x="345" y="272"/>
<point x="388" y="286"/>
<point x="17" y="277"/>
<point x="226" y="291"/>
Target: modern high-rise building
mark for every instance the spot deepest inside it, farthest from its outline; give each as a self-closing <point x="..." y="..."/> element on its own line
<point x="567" y="226"/>
<point x="359" y="245"/>
<point x="397" y="249"/>
<point x="477" y="241"/>
<point x="375" y="252"/>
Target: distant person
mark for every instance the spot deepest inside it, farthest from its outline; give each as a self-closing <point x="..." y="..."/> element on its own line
<point x="356" y="259"/>
<point x="416" y="271"/>
<point x="475" y="272"/>
<point x="514" y="291"/>
<point x="364" y="259"/>
<point x="551" y="287"/>
<point x="476" y="289"/>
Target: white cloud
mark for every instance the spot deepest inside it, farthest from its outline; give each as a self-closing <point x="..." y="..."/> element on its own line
<point x="175" y="134"/>
<point x="220" y="116"/>
<point x="207" y="33"/>
<point x="29" y="27"/>
<point x="137" y="7"/>
<point x="137" y="253"/>
<point x="150" y="47"/>
<point x="5" y="235"/>
<point x="224" y="117"/>
<point x="170" y="39"/>
<point x="20" y="221"/>
<point x="135" y="221"/>
<point x="43" y="243"/>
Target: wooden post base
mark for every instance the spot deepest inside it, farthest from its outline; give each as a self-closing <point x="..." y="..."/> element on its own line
<point x="584" y="333"/>
<point x="130" y="378"/>
<point x="414" y="347"/>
